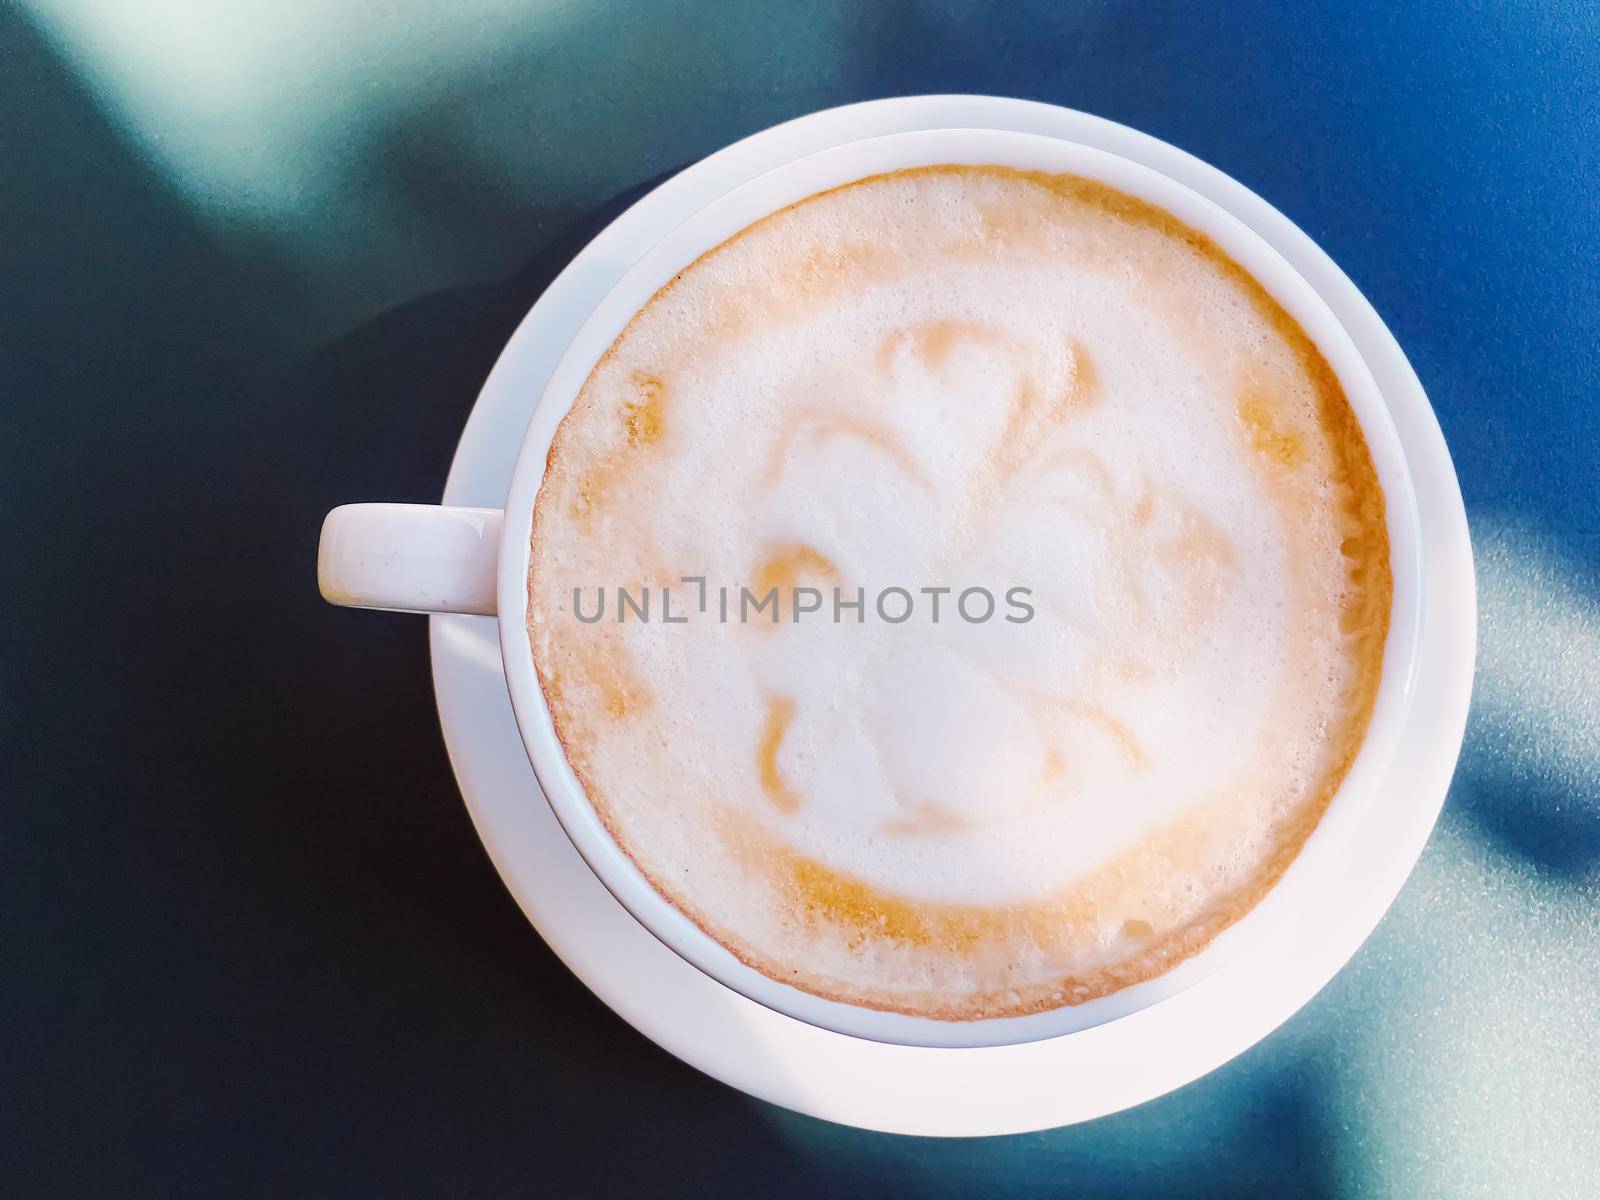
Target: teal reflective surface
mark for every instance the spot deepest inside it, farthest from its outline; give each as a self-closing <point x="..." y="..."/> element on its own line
<point x="258" y="257"/>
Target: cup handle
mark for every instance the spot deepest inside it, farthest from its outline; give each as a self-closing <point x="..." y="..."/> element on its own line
<point x="423" y="558"/>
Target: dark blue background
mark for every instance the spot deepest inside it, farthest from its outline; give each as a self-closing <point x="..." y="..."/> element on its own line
<point x="251" y="944"/>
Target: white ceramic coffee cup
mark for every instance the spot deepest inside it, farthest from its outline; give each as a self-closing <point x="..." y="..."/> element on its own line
<point x="427" y="558"/>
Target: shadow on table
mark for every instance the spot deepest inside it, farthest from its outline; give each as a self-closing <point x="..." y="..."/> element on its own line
<point x="253" y="943"/>
<point x="1529" y="780"/>
<point x="261" y="947"/>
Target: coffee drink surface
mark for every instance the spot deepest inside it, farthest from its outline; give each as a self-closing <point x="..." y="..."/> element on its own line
<point x="1026" y="387"/>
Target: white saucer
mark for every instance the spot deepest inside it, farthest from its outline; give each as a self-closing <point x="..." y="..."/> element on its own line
<point x="904" y="1089"/>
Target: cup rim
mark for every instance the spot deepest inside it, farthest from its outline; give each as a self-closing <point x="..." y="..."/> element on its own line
<point x="722" y="218"/>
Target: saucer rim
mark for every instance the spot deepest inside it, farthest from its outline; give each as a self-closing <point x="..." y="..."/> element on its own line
<point x="892" y="1087"/>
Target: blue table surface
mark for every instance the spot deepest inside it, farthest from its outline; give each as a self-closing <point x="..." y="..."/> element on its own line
<point x="255" y="259"/>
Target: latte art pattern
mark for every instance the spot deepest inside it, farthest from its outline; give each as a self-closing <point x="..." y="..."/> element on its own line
<point x="968" y="377"/>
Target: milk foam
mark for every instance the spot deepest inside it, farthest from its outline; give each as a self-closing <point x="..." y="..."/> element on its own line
<point x="963" y="377"/>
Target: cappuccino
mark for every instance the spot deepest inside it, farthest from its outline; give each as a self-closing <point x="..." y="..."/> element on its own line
<point x="868" y="412"/>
